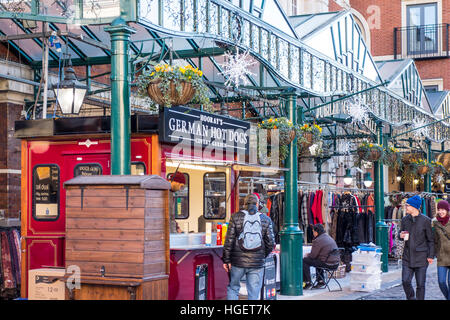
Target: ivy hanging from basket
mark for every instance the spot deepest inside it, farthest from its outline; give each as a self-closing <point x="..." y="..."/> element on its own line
<point x="286" y="134"/>
<point x="393" y="158"/>
<point x="169" y="86"/>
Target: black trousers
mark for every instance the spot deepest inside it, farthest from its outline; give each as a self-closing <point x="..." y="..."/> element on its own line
<point x="407" y="275"/>
<point x="307" y="263"/>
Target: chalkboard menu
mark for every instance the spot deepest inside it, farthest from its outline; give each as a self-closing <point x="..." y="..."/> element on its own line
<point x="269" y="289"/>
<point x="87" y="169"/>
<point x="46" y="192"/>
<point x="447" y="188"/>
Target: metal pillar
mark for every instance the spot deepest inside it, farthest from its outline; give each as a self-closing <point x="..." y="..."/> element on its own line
<point x="120" y="97"/>
<point x="381" y="226"/>
<point x="291" y="237"/>
<point x="427" y="182"/>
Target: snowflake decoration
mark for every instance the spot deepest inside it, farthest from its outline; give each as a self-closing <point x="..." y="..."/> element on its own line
<point x="236" y="68"/>
<point x="357" y="111"/>
<point x="419" y="129"/>
<point x="440" y="178"/>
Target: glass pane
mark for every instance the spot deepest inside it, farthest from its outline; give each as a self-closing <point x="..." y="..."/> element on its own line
<point x="414" y="16"/>
<point x="189" y="15"/>
<point x="46" y="192"/>
<point x="284" y="58"/>
<point x="214" y="185"/>
<point x="138" y="168"/>
<point x="100" y="9"/>
<point x="429" y="16"/>
<point x="180" y="199"/>
<point x="16" y="6"/>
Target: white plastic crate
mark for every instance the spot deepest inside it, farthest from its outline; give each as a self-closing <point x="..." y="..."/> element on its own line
<point x="365" y="277"/>
<point x="366" y="267"/>
<point x="367" y="257"/>
<point x="365" y="286"/>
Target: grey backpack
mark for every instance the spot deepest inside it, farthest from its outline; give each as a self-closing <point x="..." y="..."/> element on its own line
<point x="250" y="238"/>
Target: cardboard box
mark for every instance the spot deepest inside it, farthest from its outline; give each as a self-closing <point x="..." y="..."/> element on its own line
<point x="45" y="284"/>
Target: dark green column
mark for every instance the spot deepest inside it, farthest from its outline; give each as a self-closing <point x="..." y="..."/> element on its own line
<point x="120" y="97"/>
<point x="427" y="182"/>
<point x="291" y="237"/>
<point x="381" y="226"/>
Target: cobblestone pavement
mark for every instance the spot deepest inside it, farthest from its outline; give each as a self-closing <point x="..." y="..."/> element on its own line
<point x="395" y="292"/>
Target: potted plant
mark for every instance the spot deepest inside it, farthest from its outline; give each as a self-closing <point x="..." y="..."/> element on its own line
<point x="282" y="126"/>
<point x="370" y="151"/>
<point x="169" y="85"/>
<point x="307" y="136"/>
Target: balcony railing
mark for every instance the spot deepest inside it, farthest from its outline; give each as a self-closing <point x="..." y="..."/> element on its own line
<point x="422" y="42"/>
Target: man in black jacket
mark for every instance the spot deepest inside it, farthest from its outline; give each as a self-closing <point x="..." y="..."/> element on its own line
<point x="248" y="242"/>
<point x="418" y="252"/>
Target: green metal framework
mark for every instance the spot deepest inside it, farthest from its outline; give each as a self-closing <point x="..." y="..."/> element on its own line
<point x="291" y="78"/>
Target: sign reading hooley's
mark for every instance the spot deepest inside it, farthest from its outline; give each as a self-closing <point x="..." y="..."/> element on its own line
<point x="198" y="128"/>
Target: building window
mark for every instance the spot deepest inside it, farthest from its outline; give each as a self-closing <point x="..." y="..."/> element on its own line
<point x="214" y="188"/>
<point x="180" y="199"/>
<point x="46" y="183"/>
<point x="422" y="28"/>
<point x="432" y="88"/>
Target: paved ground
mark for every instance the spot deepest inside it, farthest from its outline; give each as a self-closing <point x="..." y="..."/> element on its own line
<point x="432" y="291"/>
<point x="391" y="288"/>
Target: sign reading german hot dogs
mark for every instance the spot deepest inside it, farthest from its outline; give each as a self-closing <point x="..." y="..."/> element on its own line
<point x="181" y="124"/>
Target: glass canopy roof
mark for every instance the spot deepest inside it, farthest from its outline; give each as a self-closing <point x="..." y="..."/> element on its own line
<point x="320" y="56"/>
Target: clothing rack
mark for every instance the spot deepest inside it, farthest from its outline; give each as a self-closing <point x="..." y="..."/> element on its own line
<point x="347" y="207"/>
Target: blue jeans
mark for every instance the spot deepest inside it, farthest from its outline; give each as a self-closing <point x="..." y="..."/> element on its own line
<point x="444" y="281"/>
<point x="254" y="281"/>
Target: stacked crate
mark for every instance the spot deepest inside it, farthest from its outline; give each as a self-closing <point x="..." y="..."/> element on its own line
<point x="365" y="272"/>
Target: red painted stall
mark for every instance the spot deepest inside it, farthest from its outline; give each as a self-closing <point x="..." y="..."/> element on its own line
<point x="57" y="150"/>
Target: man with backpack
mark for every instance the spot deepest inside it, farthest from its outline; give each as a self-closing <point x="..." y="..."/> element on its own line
<point x="248" y="242"/>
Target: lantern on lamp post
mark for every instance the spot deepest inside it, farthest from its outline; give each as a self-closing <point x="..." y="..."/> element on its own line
<point x="70" y="92"/>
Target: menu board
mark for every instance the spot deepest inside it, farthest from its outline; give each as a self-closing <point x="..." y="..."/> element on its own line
<point x="46" y="192"/>
<point x="88" y="169"/>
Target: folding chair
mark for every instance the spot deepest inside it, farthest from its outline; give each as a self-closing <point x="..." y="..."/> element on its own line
<point x="329" y="272"/>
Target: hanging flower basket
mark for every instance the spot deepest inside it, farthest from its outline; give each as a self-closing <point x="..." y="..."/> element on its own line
<point x="307" y="135"/>
<point x="281" y="126"/>
<point x="369" y="152"/>
<point x="175" y="97"/>
<point x="418" y="168"/>
<point x="173" y="85"/>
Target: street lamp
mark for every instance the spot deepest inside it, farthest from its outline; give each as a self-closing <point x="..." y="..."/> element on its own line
<point x="348" y="179"/>
<point x="70" y="92"/>
<point x="368" y="181"/>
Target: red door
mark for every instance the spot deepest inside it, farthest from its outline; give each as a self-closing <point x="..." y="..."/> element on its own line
<point x="48" y="250"/>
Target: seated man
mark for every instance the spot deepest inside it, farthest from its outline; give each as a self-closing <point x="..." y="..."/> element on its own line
<point x="322" y="245"/>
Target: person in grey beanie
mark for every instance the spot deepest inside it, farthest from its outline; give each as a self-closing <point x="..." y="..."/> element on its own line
<point x="418" y="253"/>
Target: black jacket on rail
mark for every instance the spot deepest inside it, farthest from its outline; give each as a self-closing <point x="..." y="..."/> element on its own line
<point x="232" y="252"/>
